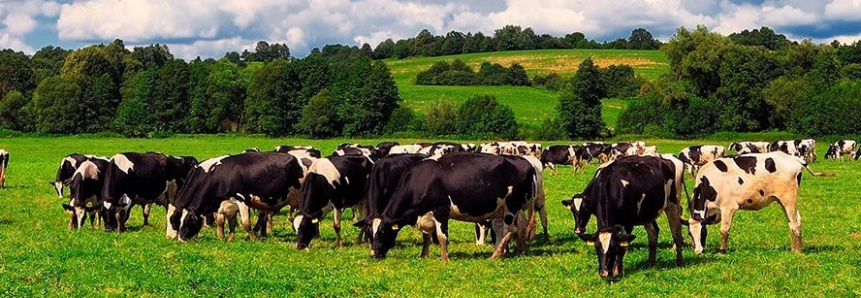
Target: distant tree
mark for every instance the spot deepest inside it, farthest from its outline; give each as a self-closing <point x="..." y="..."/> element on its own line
<point x="764" y="37"/>
<point x="47" y="62"/>
<point x="402" y="48"/>
<point x="16" y="73"/>
<point x="453" y="44"/>
<point x="152" y="55"/>
<point x="641" y="39"/>
<point x="12" y="111"/>
<point x="574" y="40"/>
<point x="320" y="116"/>
<point x="367" y="51"/>
<point x="509" y="38"/>
<point x="235" y="58"/>
<point x="696" y="56"/>
<point x="580" y="104"/>
<point x="58" y="106"/>
<point x="133" y="119"/>
<point x="385" y="49"/>
<point x="99" y="103"/>
<point x="271" y="105"/>
<point x="423" y="40"/>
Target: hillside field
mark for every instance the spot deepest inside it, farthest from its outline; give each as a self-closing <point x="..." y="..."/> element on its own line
<point x="40" y="257"/>
<point x="530" y="105"/>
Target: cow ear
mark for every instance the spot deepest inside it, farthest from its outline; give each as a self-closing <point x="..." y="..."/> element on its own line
<point x="566" y="203"/>
<point x="67" y="207"/>
<point x="625" y="239"/>
<point x="588" y="238"/>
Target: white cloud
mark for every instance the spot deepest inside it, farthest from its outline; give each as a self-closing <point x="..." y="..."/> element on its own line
<point x="8" y="41"/>
<point x="19" y="24"/>
<point x="847" y="10"/>
<point x="210" y="48"/>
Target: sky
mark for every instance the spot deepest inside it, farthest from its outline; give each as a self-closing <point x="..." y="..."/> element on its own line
<point x="210" y="28"/>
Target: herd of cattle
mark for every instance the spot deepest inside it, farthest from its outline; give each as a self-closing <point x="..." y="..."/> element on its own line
<point x="498" y="186"/>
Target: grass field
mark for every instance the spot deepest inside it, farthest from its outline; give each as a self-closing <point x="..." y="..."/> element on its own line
<point x="40" y="257"/>
<point x="530" y="105"/>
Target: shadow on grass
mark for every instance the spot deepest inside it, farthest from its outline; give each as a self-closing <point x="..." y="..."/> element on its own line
<point x="6" y="221"/>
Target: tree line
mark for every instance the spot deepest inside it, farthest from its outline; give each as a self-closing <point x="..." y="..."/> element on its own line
<point x="148" y="91"/>
<point x="749" y="82"/>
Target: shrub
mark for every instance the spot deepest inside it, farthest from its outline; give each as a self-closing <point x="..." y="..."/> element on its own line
<point x="403" y="119"/>
<point x="549" y="130"/>
<point x="483" y="115"/>
<point x="320" y="116"/>
<point x="517" y="76"/>
<point x="551" y="81"/>
<point x="696" y="117"/>
<point x="133" y="119"/>
<point x="642" y="115"/>
<point x="493" y="74"/>
<point x="440" y="119"/>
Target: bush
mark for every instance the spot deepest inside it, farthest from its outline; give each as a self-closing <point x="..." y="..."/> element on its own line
<point x="549" y="130"/>
<point x="456" y="78"/>
<point x="440" y="119"/>
<point x="403" y="119"/>
<point x="483" y="115"/>
<point x="320" y="116"/>
<point x="517" y="76"/>
<point x="493" y="74"/>
<point x="133" y="119"/>
<point x="851" y="71"/>
<point x="620" y="81"/>
<point x="552" y="81"/>
<point x="642" y="115"/>
<point x="832" y="112"/>
<point x="696" y="117"/>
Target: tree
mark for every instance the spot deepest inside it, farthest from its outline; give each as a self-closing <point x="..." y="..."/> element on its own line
<point x="47" y="62"/>
<point x="270" y="106"/>
<point x="12" y="112"/>
<point x="100" y="101"/>
<point x="90" y="62"/>
<point x="402" y="48"/>
<point x="440" y="119"/>
<point x="152" y="55"/>
<point x="320" y="116"/>
<point x="220" y="110"/>
<point x="764" y="37"/>
<point x="422" y="41"/>
<point x="580" y="104"/>
<point x="58" y="105"/>
<point x="517" y="76"/>
<point x="509" y="38"/>
<point x="641" y="39"/>
<point x="133" y="119"/>
<point x="483" y="115"/>
<point x="385" y="49"/>
<point x="695" y="57"/>
<point x="16" y="74"/>
<point x="453" y="44"/>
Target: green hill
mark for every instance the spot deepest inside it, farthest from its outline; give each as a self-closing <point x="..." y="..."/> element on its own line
<point x="531" y="105"/>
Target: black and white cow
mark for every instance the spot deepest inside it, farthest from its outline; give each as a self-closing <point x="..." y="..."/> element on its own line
<point x="335" y="183"/>
<point x="747" y="182"/>
<point x="4" y="164"/>
<point x="382" y="182"/>
<point x="231" y="185"/>
<point x="384" y="147"/>
<point x="616" y="150"/>
<point x="749" y="147"/>
<point x="564" y="154"/>
<point x="695" y="157"/>
<point x="462" y="186"/>
<point x="627" y="192"/>
<point x="358" y="150"/>
<point x="405" y="149"/>
<point x="806" y="149"/>
<point x="67" y="168"/>
<point x="840" y="148"/>
<point x="137" y="179"/>
<point x="789" y="147"/>
<point x="85" y="191"/>
<point x="287" y="148"/>
<point x="592" y="149"/>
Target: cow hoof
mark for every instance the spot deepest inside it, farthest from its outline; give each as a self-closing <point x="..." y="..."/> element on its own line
<point x="722" y="251"/>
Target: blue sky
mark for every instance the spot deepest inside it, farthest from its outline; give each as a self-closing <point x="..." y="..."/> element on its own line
<point x="209" y="28"/>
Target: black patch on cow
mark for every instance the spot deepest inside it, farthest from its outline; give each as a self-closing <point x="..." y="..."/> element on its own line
<point x="707" y="191"/>
<point x="509" y="219"/>
<point x="796" y="142"/>
<point x="721" y="166"/>
<point x="750" y="201"/>
<point x="306" y="162"/>
<point x="740" y="181"/>
<point x="798" y="178"/>
<point x="770" y="166"/>
<point x="761" y="192"/>
<point x="746" y="163"/>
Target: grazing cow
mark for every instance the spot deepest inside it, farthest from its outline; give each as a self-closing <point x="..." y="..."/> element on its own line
<point x="405" y="149"/>
<point x="288" y="148"/>
<point x="749" y="147"/>
<point x="806" y="149"/>
<point x="616" y="150"/>
<point x="628" y="192"/>
<point x="650" y="151"/>
<point x="490" y="148"/>
<point x="85" y="192"/>
<point x="382" y="182"/>
<point x="228" y="185"/>
<point x="696" y="156"/>
<point x="840" y="148"/>
<point x="137" y="179"/>
<point x="255" y="149"/>
<point x="358" y="150"/>
<point x="337" y="181"/>
<point x="462" y="186"/>
<point x="789" y="147"/>
<point x="67" y="168"/>
<point x="747" y="182"/>
<point x="4" y="164"/>
<point x="563" y="154"/>
<point x="593" y="149"/>
<point x="385" y="147"/>
<point x="306" y="158"/>
<point x="538" y="200"/>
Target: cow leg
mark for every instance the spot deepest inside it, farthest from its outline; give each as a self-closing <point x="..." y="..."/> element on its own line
<point x="336" y="225"/>
<point x="219" y="225"/>
<point x="231" y="221"/>
<point x="263" y="223"/>
<point x="245" y="215"/>
<point x="442" y="235"/>
<point x="794" y="219"/>
<point x="522" y="233"/>
<point x="147" y="209"/>
<point x="426" y="240"/>
<point x="542" y="213"/>
<point x="725" y="225"/>
<point x="674" y="218"/>
<point x="170" y="231"/>
<point x="652" y="232"/>
<point x="480" y="233"/>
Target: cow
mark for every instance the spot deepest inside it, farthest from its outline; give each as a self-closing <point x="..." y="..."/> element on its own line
<point x="334" y="182"/>
<point x="462" y="186"/>
<point x="67" y="168"/>
<point x="563" y="154"/>
<point x="746" y="182"/>
<point x="490" y="148"/>
<point x="288" y="148"/>
<point x="806" y="149"/>
<point x="356" y="149"/>
<point x="4" y="164"/>
<point x="254" y="149"/>
<point x="306" y="158"/>
<point x="382" y="182"/>
<point x="385" y="147"/>
<point x="840" y="148"/>
<point x="231" y="185"/>
<point x="616" y="150"/>
<point x="405" y="149"/>
<point x="538" y="200"/>
<point x="695" y="157"/>
<point x="138" y="179"/>
<point x="749" y="147"/>
<point x="629" y="191"/>
<point x="85" y="191"/>
<point x="789" y="147"/>
<point x="593" y="149"/>
<point x="650" y="151"/>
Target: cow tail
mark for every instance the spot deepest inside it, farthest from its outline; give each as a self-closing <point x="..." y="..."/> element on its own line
<point x="806" y="166"/>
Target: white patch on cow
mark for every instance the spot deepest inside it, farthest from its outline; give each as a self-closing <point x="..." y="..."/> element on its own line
<point x="327" y="169"/>
<point x="576" y="203"/>
<point x="123" y="163"/>
<point x="625" y="183"/>
<point x="58" y="185"/>
<point x="296" y="221"/>
<point x="87" y="170"/>
<point x="340" y="152"/>
<point x="70" y="160"/>
<point x="107" y="204"/>
<point x="640" y="203"/>
<point x="426" y="223"/>
<point x="604" y="240"/>
<point x="229" y="207"/>
<point x="375" y="225"/>
<point x="127" y="201"/>
<point x="209" y="164"/>
<point x="347" y="179"/>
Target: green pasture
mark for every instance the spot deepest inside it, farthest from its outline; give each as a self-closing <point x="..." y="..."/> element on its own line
<point x="40" y="257"/>
<point x="530" y="105"/>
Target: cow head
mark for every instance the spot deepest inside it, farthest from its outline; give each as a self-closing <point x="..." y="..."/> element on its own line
<point x="577" y="205"/>
<point x="306" y="229"/>
<point x="78" y="213"/>
<point x="701" y="215"/>
<point x="832" y="151"/>
<point x="610" y="245"/>
<point x="384" y="235"/>
<point x="190" y="224"/>
<point x="115" y="215"/>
